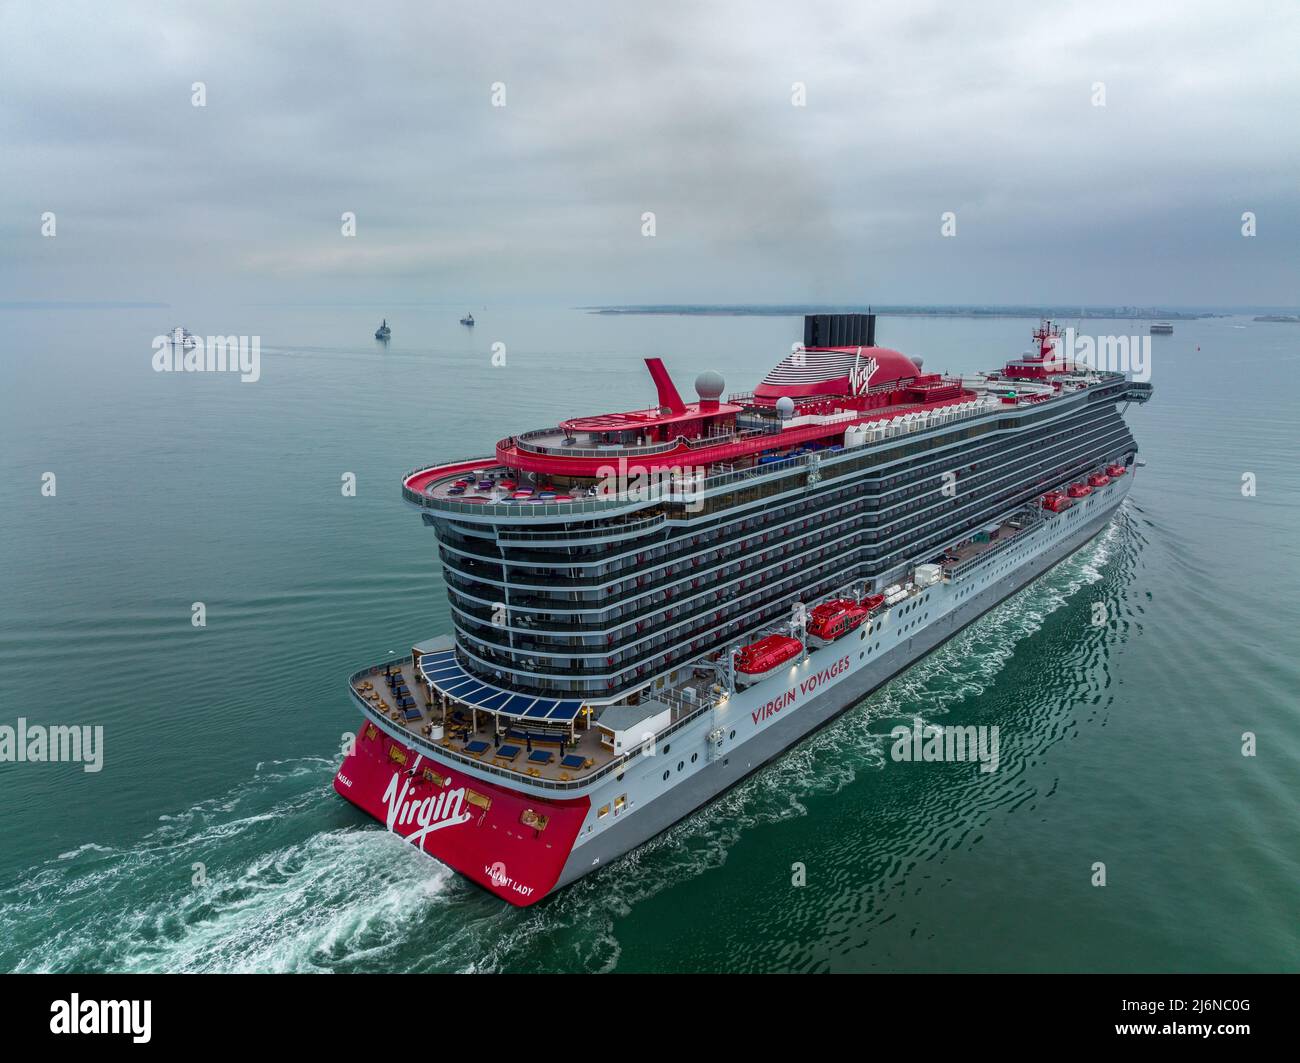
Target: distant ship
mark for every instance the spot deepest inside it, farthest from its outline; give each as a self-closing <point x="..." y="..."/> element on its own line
<point x="183" y="338"/>
<point x="468" y="319"/>
<point x="1162" y="328"/>
<point x="383" y="331"/>
<point x="704" y="623"/>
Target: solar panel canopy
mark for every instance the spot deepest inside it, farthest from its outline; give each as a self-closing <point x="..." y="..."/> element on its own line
<point x="444" y="674"/>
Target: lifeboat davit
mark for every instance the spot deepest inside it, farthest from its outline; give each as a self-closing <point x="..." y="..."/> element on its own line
<point x="760" y="659"/>
<point x="1079" y="490"/>
<point x="1098" y="479"/>
<point x="1115" y="470"/>
<point x="834" y="619"/>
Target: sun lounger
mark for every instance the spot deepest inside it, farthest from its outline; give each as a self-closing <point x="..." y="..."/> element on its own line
<point x="476" y="748"/>
<point x="540" y="756"/>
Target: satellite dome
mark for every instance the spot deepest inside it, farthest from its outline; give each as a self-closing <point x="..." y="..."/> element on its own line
<point x="709" y="385"/>
<point x="785" y="407"/>
<point x="918" y="362"/>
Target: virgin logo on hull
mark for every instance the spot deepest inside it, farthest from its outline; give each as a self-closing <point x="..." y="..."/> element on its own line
<point x="434" y="812"/>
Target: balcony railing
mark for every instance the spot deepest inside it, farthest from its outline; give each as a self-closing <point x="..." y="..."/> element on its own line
<point x="609" y="531"/>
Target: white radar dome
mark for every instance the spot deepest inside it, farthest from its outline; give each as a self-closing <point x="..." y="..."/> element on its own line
<point x="709" y="385"/>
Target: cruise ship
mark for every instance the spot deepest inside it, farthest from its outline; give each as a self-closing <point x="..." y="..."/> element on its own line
<point x="648" y="606"/>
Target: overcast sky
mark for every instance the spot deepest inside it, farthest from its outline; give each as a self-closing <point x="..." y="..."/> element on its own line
<point x="682" y="109"/>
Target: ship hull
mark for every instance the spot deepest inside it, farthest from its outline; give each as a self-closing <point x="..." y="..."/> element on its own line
<point x="687" y="797"/>
<point x="513" y="844"/>
<point x="498" y="845"/>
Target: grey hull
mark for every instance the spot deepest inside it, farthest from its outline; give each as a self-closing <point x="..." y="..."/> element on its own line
<point x="770" y="743"/>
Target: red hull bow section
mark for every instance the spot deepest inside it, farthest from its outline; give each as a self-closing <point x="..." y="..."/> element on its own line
<point x="512" y="844"/>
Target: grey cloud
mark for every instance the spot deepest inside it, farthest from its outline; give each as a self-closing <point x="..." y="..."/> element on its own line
<point x="679" y="108"/>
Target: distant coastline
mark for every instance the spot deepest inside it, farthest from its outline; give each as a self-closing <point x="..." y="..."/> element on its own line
<point x="68" y="304"/>
<point x="797" y="310"/>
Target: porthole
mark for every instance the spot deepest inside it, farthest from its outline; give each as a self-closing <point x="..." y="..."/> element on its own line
<point x="666" y="749"/>
<point x="694" y="757"/>
<point x="733" y="734"/>
<point x="666" y="774"/>
<point x="681" y="764"/>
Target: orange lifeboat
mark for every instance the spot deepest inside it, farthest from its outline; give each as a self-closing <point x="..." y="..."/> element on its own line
<point x="1079" y="490"/>
<point x="835" y="619"/>
<point x="1115" y="470"/>
<point x="760" y="659"/>
<point x="1098" y="479"/>
<point x="1056" y="502"/>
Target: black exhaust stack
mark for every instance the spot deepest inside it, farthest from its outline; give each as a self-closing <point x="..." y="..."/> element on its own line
<point x="839" y="330"/>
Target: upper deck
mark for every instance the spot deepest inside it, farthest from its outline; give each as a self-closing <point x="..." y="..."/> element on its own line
<point x="541" y="752"/>
<point x="817" y="405"/>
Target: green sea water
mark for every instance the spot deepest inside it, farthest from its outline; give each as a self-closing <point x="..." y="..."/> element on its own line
<point x="1121" y="743"/>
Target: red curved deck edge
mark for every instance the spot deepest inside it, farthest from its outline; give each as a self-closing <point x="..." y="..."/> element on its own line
<point x="421" y="479"/>
<point x="684" y="456"/>
<point x="513" y="844"/>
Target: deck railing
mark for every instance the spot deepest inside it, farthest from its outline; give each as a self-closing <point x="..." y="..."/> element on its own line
<point x="516" y="779"/>
<point x="613" y="450"/>
<point x="963" y="568"/>
<point x="668" y="492"/>
<point x="441" y="752"/>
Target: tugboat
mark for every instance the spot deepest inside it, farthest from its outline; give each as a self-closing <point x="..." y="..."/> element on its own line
<point x="760" y="659"/>
<point x="1162" y="328"/>
<point x="183" y="338"/>
<point x="468" y="319"/>
<point x="383" y="331"/>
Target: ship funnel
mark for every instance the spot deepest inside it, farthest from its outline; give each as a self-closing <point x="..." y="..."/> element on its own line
<point x="669" y="400"/>
<point x="839" y="330"/>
